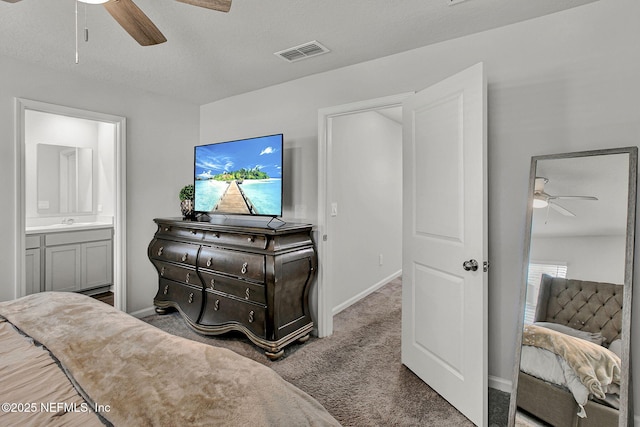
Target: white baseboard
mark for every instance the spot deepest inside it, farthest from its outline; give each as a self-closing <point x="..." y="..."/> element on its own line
<point x="500" y="384"/>
<point x="366" y="292"/>
<point x="144" y="312"/>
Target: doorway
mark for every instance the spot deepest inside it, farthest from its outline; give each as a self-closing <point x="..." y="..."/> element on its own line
<point x="443" y="182"/>
<point x="110" y="131"/>
<point x="334" y="228"/>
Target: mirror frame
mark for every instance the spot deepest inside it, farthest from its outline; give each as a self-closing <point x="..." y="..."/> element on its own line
<point x="626" y="392"/>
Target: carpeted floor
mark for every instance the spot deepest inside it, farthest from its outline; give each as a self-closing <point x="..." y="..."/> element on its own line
<point x="356" y="373"/>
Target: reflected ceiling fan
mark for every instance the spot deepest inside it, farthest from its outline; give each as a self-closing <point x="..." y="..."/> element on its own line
<point x="541" y="199"/>
<point x="137" y="24"/>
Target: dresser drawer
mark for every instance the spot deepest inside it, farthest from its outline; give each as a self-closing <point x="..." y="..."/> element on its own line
<point x="239" y="264"/>
<point x="171" y="231"/>
<point x="219" y="309"/>
<point x="178" y="273"/>
<point x="187" y="298"/>
<point x="242" y="289"/>
<point x="167" y="250"/>
<point x="236" y="239"/>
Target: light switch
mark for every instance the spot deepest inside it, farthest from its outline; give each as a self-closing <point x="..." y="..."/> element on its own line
<point x="334" y="209"/>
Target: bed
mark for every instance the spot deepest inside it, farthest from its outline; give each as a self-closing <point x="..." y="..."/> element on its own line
<point x="570" y="364"/>
<point x="68" y="359"/>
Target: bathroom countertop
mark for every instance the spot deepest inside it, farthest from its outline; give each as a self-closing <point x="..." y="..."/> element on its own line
<point x="76" y="226"/>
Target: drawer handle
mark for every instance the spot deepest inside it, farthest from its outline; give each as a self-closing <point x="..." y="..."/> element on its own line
<point x="190" y="297"/>
<point x="244" y="268"/>
<point x="188" y="277"/>
<point x="209" y="262"/>
<point x="251" y="316"/>
<point x="216" y="305"/>
<point x="166" y="289"/>
<point x="184" y="257"/>
<point x="246" y="294"/>
<point x="160" y="250"/>
<point x="162" y="271"/>
<point x="213" y="283"/>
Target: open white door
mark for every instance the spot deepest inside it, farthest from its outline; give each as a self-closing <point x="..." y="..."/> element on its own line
<point x="444" y="287"/>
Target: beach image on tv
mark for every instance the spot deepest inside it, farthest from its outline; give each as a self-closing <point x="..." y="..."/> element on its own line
<point x="240" y="177"/>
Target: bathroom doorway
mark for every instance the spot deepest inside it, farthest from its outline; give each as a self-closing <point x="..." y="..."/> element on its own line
<point x="70" y="181"/>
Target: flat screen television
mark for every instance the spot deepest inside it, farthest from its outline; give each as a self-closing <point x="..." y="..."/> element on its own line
<point x="241" y="177"/>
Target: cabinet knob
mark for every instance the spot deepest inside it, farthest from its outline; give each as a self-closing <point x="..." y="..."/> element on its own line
<point x="193" y="231"/>
<point x="184" y="257"/>
<point x="251" y="316"/>
<point x="190" y="297"/>
<point x="160" y="250"/>
<point x="209" y="262"/>
<point x="213" y="283"/>
<point x="166" y="289"/>
<point x="250" y="239"/>
<point x="244" y="268"/>
<point x="188" y="277"/>
<point x="162" y="271"/>
<point x="246" y="294"/>
<point x="216" y="305"/>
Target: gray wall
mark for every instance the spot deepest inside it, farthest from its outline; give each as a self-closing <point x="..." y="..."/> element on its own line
<point x="161" y="133"/>
<point x="366" y="183"/>
<point x="560" y="83"/>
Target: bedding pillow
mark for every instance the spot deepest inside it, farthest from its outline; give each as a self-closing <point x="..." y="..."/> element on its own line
<point x="616" y="347"/>
<point x="594" y="337"/>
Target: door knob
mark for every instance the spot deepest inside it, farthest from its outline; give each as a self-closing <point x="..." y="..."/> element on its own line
<point x="471" y="265"/>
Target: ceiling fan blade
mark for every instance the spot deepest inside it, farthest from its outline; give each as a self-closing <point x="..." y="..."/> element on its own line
<point x="11" y="1"/>
<point x="560" y="209"/>
<point x="575" y="197"/>
<point x="219" y="5"/>
<point x="135" y="22"/>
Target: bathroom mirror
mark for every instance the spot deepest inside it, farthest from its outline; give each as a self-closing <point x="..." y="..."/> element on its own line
<point x="572" y="355"/>
<point x="64" y="179"/>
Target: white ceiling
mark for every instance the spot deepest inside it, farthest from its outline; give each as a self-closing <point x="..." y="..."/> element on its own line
<point x="212" y="55"/>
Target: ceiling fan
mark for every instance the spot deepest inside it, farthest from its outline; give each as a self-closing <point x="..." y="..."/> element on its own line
<point x="541" y="199"/>
<point x="137" y="24"/>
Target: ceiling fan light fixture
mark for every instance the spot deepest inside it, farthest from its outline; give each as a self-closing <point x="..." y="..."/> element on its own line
<point x="93" y="1"/>
<point x="539" y="202"/>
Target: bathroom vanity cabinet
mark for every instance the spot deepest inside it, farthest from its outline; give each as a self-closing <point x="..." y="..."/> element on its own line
<point x="69" y="260"/>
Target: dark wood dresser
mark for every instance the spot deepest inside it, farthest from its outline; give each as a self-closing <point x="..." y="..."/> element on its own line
<point x="233" y="276"/>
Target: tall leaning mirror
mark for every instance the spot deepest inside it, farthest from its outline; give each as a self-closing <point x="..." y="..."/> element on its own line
<point x="573" y="350"/>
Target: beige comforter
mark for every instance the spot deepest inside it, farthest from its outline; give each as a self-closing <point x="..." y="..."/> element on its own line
<point x="595" y="366"/>
<point x="142" y="376"/>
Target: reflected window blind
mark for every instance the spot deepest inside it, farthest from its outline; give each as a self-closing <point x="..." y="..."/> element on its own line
<point x="536" y="270"/>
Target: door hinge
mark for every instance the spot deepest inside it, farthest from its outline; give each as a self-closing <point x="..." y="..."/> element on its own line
<point x="485" y="266"/>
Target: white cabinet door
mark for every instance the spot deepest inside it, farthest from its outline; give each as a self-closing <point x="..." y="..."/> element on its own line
<point x="32" y="271"/>
<point x="62" y="271"/>
<point x="97" y="260"/>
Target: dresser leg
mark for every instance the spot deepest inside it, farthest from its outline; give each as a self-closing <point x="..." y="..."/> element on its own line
<point x="274" y="356"/>
<point x="304" y="339"/>
<point x="161" y="310"/>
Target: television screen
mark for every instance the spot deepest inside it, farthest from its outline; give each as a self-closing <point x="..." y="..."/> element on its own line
<point x="242" y="177"/>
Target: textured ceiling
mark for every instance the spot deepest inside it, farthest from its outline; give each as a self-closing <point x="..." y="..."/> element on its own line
<point x="211" y="55"/>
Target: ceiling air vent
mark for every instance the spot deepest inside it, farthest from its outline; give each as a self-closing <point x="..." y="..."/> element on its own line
<point x="302" y="51"/>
